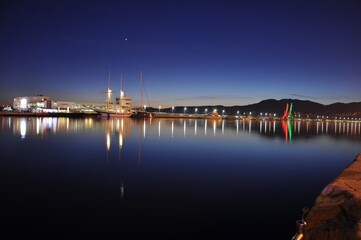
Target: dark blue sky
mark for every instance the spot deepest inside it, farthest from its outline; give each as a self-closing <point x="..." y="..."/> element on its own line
<point x="190" y="52"/>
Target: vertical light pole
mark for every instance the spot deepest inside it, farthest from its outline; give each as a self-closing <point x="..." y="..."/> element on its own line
<point x="206" y="110"/>
<point x="195" y="110"/>
<point x="185" y="109"/>
<point x="223" y="112"/>
<point x="172" y="109"/>
<point x="159" y="108"/>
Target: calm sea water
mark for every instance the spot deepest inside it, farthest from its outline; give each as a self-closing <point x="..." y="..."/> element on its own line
<point x="164" y="178"/>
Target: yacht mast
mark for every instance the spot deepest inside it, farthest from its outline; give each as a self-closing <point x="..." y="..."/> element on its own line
<point x="141" y="90"/>
<point x="108" y="91"/>
<point x="121" y="92"/>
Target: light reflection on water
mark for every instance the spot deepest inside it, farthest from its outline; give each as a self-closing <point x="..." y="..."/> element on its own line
<point x="41" y="126"/>
<point x="220" y="176"/>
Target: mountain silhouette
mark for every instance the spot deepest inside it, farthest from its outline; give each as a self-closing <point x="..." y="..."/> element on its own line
<point x="273" y="106"/>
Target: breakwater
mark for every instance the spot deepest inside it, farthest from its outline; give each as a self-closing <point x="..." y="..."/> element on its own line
<point x="336" y="214"/>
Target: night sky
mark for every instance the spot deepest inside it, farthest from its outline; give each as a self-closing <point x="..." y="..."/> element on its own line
<point x="190" y="52"/>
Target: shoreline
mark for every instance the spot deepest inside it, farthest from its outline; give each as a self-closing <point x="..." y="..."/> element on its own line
<point x="29" y="114"/>
<point x="168" y="115"/>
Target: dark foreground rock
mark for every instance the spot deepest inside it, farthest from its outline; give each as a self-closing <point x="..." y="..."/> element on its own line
<point x="336" y="214"/>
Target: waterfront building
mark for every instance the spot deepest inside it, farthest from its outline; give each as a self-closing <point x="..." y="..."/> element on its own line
<point x="42" y="103"/>
<point x="62" y="105"/>
<point x="31" y="103"/>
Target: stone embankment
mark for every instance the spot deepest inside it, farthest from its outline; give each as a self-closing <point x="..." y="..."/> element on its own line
<point x="336" y="214"/>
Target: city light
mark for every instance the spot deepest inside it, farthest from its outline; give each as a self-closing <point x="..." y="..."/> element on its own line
<point x="23" y="103"/>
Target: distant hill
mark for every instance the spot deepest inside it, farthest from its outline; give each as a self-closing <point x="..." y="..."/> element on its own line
<point x="276" y="106"/>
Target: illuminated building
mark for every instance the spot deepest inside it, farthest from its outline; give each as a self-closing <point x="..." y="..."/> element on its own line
<point x="39" y="103"/>
<point x="29" y="103"/>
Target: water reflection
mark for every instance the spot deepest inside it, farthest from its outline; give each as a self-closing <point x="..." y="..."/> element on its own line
<point x="218" y="156"/>
<point x="22" y="128"/>
<point x="290" y="130"/>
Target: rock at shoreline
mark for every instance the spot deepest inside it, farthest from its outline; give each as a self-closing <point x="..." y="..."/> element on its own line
<point x="336" y="214"/>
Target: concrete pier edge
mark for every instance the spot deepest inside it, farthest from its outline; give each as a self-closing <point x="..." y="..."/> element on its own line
<point x="336" y="214"/>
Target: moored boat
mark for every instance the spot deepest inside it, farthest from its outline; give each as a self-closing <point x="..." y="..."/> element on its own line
<point x="213" y="115"/>
<point x="231" y="117"/>
<point x="142" y="114"/>
<point x="111" y="113"/>
<point x="114" y="112"/>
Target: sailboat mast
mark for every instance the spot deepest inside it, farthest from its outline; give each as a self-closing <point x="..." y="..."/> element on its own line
<point x="108" y="91"/>
<point x="121" y="91"/>
<point x="141" y="89"/>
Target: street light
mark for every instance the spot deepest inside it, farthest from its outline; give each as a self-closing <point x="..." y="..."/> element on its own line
<point x="185" y="109"/>
<point x="159" y="108"/>
<point x="206" y="110"/>
<point x="172" y="109"/>
<point x="223" y="111"/>
<point x="196" y="110"/>
<point x="237" y="112"/>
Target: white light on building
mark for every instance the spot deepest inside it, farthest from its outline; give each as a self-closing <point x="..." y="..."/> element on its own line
<point x="23" y="103"/>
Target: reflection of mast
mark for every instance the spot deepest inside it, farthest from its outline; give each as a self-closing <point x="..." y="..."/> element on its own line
<point x="140" y="148"/>
<point x="107" y="142"/>
<point x="121" y="190"/>
<point x="120" y="133"/>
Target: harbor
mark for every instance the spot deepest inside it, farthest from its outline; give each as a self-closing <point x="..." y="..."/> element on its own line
<point x="243" y="170"/>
